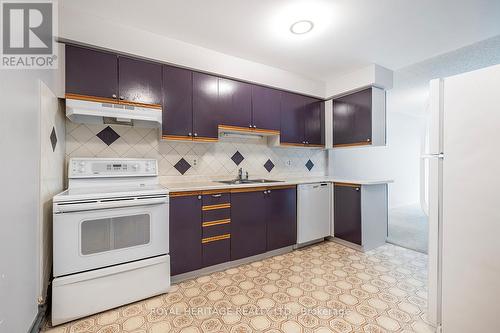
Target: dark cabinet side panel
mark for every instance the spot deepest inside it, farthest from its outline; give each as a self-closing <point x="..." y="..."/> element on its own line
<point x="266" y="108"/>
<point x="235" y="103"/>
<point x="139" y="81"/>
<point x="248" y="224"/>
<point x="177" y="101"/>
<point x="292" y="118"/>
<point x="352" y="122"/>
<point x="282" y="218"/>
<point x="347" y="213"/>
<point x="312" y="121"/>
<point x="205" y="105"/>
<point x="91" y="73"/>
<point x="185" y="234"/>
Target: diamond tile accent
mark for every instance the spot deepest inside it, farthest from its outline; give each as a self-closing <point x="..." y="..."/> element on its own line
<point x="269" y="165"/>
<point x="309" y="165"/>
<point x="237" y="158"/>
<point x="108" y="135"/>
<point x="182" y="166"/>
<point x="53" y="138"/>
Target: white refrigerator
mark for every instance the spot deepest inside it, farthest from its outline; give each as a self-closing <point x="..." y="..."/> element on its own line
<point x="464" y="202"/>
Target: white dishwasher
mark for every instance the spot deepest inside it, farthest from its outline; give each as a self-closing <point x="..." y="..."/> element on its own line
<point x="314" y="202"/>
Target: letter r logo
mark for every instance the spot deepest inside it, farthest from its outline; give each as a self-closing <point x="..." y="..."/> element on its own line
<point x="27" y="27"/>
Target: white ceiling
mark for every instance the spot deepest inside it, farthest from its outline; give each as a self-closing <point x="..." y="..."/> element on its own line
<point x="348" y="34"/>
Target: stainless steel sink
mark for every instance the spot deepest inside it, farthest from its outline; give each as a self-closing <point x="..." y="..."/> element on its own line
<point x="248" y="181"/>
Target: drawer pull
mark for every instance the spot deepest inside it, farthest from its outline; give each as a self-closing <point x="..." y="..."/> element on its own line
<point x="219" y="206"/>
<point x="216" y="195"/>
<point x="215" y="238"/>
<point x="217" y="222"/>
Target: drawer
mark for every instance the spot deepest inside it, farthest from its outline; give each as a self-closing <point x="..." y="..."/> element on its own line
<point x="216" y="252"/>
<point x="216" y="199"/>
<point x="216" y="214"/>
<point x="217" y="230"/>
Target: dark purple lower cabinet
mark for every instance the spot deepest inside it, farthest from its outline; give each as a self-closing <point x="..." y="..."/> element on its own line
<point x="347" y="213"/>
<point x="185" y="234"/>
<point x="281" y="218"/>
<point x="216" y="252"/>
<point x="248" y="224"/>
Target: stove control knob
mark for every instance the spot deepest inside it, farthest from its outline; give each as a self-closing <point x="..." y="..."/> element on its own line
<point x="81" y="170"/>
<point x="82" y="163"/>
<point x="135" y="166"/>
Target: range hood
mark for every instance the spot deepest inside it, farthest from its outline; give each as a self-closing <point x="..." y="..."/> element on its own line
<point x="90" y="112"/>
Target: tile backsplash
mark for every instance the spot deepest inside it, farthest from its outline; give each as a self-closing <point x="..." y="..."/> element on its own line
<point x="180" y="161"/>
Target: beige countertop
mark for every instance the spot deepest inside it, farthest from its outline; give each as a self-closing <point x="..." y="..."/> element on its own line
<point x="198" y="185"/>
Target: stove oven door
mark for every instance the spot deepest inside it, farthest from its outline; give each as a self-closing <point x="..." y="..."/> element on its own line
<point x="86" y="239"/>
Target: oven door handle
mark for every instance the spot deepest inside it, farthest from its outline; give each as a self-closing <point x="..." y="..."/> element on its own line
<point x="108" y="204"/>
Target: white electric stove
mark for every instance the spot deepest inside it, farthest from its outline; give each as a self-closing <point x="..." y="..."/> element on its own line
<point x="110" y="236"/>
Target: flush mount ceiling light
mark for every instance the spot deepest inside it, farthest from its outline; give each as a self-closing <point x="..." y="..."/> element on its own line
<point x="301" y="27"/>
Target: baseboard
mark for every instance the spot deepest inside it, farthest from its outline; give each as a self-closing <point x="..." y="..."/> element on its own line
<point x="39" y="321"/>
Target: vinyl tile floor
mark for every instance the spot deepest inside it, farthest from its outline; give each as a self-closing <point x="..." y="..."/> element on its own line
<point x="321" y="288"/>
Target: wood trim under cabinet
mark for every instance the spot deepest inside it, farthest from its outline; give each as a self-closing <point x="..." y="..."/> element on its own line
<point x="184" y="194"/>
<point x="110" y="100"/>
<point x="281" y="187"/>
<point x="292" y="144"/>
<point x="347" y="184"/>
<point x="216" y="222"/>
<point x="216" y="191"/>
<point x="218" y="206"/>
<point x="215" y="238"/>
<point x="141" y="105"/>
<point x="91" y="98"/>
<point x="248" y="189"/>
<point x="177" y="137"/>
<point x="247" y="129"/>
<point x="205" y="139"/>
<point x="353" y="144"/>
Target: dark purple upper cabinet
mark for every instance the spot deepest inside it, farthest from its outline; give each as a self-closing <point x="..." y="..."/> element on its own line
<point x="185" y="234"/>
<point x="177" y="108"/>
<point x="352" y="121"/>
<point x="139" y="81"/>
<point x="292" y="118"/>
<point x="248" y="224"/>
<point x="235" y="103"/>
<point x="91" y="73"/>
<point x="206" y="113"/>
<point x="281" y="206"/>
<point x="314" y="133"/>
<point x="266" y="108"/>
<point x="347" y="213"/>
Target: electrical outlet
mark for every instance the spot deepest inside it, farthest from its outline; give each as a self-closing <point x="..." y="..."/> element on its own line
<point x="289" y="162"/>
<point x="195" y="162"/>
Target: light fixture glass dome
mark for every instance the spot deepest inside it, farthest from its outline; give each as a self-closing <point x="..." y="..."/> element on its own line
<point x="301" y="27"/>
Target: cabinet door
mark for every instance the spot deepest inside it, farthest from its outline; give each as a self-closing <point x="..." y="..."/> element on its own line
<point x="91" y="73"/>
<point x="248" y="224"/>
<point x="266" y="112"/>
<point x="177" y="101"/>
<point x="235" y="103"/>
<point x="139" y="81"/>
<point x="347" y="213"/>
<point x="313" y="121"/>
<point x="292" y="118"/>
<point x="185" y="234"/>
<point x="282" y="218"/>
<point x="352" y="121"/>
<point x="205" y="105"/>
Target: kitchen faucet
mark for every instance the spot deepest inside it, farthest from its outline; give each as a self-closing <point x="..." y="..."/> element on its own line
<point x="240" y="174"/>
